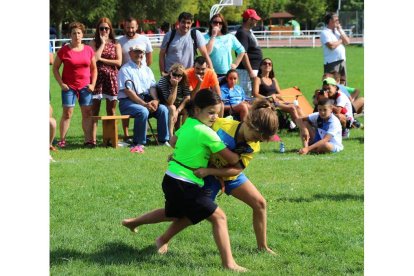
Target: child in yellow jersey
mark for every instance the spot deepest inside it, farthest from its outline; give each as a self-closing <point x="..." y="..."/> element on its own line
<point x="243" y="138"/>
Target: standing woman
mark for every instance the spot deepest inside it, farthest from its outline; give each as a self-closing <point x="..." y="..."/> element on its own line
<point x="77" y="81"/>
<point x="220" y="44"/>
<point x="108" y="55"/>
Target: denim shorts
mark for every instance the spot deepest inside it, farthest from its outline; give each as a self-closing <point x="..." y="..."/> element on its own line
<point x="212" y="185"/>
<point x="69" y="97"/>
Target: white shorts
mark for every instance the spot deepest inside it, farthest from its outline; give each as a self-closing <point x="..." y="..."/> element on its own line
<point x="337" y="148"/>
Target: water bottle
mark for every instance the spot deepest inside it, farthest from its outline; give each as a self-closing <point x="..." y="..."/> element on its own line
<point x="282" y="147"/>
<point x="296" y="102"/>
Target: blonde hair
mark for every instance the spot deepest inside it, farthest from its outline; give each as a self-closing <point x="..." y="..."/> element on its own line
<point x="262" y="118"/>
<point x="179" y="68"/>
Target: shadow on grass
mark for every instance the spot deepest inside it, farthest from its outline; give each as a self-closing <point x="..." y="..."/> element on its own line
<point x="72" y="143"/>
<point x="332" y="197"/>
<point x="75" y="142"/>
<point x="111" y="253"/>
<point x="359" y="139"/>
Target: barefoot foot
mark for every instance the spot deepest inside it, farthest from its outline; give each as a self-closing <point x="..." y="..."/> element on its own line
<point x="162" y="247"/>
<point x="268" y="250"/>
<point x="128" y="223"/>
<point x="236" y="268"/>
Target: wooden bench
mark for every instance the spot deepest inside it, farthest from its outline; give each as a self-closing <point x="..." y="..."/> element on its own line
<point x="110" y="128"/>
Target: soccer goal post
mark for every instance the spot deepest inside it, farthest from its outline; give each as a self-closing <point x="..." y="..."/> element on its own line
<point x="216" y="8"/>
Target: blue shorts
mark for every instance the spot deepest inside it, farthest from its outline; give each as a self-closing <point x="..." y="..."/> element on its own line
<point x="212" y="185"/>
<point x="69" y="97"/>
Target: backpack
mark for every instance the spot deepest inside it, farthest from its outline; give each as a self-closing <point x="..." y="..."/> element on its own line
<point x="193" y="37"/>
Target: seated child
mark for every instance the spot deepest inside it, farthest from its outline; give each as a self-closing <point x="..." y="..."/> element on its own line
<point x="233" y="96"/>
<point x="321" y="131"/>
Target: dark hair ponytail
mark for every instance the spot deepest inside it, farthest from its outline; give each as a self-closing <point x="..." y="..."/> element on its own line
<point x="223" y="80"/>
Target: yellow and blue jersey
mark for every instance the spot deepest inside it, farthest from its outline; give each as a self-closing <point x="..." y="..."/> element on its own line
<point x="227" y="130"/>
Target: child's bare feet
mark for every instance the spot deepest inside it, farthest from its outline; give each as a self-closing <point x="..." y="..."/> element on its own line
<point x="129" y="223"/>
<point x="236" y="268"/>
<point x="162" y="247"/>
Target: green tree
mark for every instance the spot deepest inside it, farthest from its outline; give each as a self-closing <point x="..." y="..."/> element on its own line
<point x="307" y="12"/>
<point x="264" y="8"/>
<point x="346" y="5"/>
<point x="85" y="12"/>
<point x="62" y="11"/>
<point x="97" y="9"/>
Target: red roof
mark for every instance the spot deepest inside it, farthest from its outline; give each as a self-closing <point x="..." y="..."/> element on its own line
<point x="281" y="15"/>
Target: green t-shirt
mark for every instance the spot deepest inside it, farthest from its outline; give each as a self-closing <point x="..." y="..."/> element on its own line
<point x="195" y="143"/>
<point x="350" y="89"/>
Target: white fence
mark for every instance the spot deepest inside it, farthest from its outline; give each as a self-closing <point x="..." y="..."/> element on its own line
<point x="267" y="39"/>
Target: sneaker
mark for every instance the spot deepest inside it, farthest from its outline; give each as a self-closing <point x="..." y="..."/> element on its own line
<point x="165" y="144"/>
<point x="61" y="144"/>
<point x="129" y="141"/>
<point x="137" y="149"/>
<point x="356" y="124"/>
<point x="123" y="144"/>
<point x="345" y="133"/>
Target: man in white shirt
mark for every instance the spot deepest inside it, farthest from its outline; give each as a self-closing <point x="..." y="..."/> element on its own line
<point x="130" y="39"/>
<point x="333" y="39"/>
<point x="138" y="98"/>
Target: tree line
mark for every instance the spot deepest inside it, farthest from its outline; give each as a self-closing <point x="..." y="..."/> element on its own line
<point x="307" y="12"/>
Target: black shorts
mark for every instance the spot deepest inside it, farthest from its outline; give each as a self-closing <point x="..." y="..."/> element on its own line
<point x="183" y="199"/>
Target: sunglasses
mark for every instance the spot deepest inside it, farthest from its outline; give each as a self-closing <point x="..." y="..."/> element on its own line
<point x="176" y="75"/>
<point x="104" y="29"/>
<point x="217" y="22"/>
<point x="267" y="63"/>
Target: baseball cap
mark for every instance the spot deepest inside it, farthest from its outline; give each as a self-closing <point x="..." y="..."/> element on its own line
<point x="330" y="81"/>
<point x="137" y="47"/>
<point x="250" y="13"/>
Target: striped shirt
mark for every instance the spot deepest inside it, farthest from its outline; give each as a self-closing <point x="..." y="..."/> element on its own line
<point x="164" y="90"/>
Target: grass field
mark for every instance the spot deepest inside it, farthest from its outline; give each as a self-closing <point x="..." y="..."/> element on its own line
<point x="315" y="202"/>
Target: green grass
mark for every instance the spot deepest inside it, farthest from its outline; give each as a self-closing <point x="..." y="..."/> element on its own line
<point x="315" y="202"/>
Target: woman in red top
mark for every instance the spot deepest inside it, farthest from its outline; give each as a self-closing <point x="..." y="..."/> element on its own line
<point x="108" y="55"/>
<point x="77" y="81"/>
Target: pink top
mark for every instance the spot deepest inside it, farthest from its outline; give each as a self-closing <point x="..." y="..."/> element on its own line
<point x="76" y="70"/>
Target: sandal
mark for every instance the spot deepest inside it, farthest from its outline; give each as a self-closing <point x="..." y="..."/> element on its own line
<point x="61" y="144"/>
<point x="90" y="144"/>
<point x="52" y="148"/>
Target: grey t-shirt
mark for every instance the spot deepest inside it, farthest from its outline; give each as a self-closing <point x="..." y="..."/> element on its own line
<point x="126" y="43"/>
<point x="181" y="49"/>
